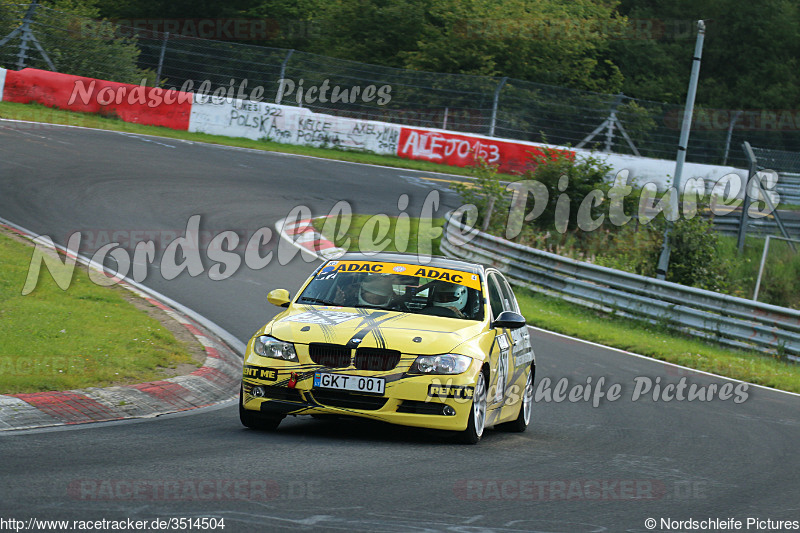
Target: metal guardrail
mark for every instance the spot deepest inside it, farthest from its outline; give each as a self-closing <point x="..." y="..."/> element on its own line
<point x="789" y="188"/>
<point x="726" y="319"/>
<point x="729" y="225"/>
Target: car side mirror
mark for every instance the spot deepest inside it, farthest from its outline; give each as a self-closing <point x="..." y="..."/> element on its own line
<point x="279" y="297"/>
<point x="510" y="320"/>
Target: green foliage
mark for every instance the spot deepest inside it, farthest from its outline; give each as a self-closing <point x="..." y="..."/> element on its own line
<point x="555" y="43"/>
<point x="780" y="283"/>
<point x="694" y="258"/>
<point x="564" y="174"/>
<point x="750" y="54"/>
<point x="632" y="248"/>
<point x="369" y="31"/>
<point x="77" y="42"/>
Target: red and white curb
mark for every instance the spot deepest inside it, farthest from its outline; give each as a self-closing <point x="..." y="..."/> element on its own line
<point x="215" y="382"/>
<point x="303" y="235"/>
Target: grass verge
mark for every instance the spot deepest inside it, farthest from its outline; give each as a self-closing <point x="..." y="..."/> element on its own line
<point x="86" y="336"/>
<point x="44" y="114"/>
<point x="571" y="319"/>
<point x="382" y="233"/>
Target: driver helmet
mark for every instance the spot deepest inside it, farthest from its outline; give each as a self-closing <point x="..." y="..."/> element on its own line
<point x="376" y="290"/>
<point x="451" y="296"/>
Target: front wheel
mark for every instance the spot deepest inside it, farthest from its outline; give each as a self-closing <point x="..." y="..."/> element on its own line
<point x="256" y="420"/>
<point x="526" y="406"/>
<point x="477" y="415"/>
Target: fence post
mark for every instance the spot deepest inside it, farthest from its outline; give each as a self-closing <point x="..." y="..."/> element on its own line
<point x="686" y="126"/>
<point x="612" y="120"/>
<point x="751" y="172"/>
<point x="157" y="81"/>
<point x="494" y="104"/>
<point x="279" y="92"/>
<point x="26" y="35"/>
<point x="730" y="134"/>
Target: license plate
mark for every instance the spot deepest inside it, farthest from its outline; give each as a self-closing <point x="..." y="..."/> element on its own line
<point x="324" y="380"/>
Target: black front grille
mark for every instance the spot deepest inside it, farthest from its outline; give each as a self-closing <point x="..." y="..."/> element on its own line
<point x="330" y="355"/>
<point x="376" y="359"/>
<point x="282" y="393"/>
<point x="349" y="400"/>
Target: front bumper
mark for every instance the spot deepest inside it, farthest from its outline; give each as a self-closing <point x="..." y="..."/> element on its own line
<point x="435" y="402"/>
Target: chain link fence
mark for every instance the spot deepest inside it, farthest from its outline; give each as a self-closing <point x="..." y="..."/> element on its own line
<point x="502" y="107"/>
<point x="787" y="165"/>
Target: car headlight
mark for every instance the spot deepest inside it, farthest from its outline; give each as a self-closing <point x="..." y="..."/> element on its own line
<point x="266" y="346"/>
<point x="448" y="363"/>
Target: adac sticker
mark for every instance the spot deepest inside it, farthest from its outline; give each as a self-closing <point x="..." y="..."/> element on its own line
<point x="375" y="267"/>
<point x="258" y="372"/>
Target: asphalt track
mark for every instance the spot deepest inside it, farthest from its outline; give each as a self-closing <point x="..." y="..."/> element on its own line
<point x="578" y="467"/>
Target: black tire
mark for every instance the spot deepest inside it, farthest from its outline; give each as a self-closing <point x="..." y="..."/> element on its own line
<point x="256" y="420"/>
<point x="477" y="415"/>
<point x="525" y="407"/>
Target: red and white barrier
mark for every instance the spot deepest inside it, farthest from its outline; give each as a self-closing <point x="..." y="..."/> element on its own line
<point x="300" y="126"/>
<point x="152" y="106"/>
<point x="462" y="150"/>
<point x="290" y="125"/>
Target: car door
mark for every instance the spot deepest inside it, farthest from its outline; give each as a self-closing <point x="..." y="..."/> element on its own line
<point x="501" y="349"/>
<point x="521" y="349"/>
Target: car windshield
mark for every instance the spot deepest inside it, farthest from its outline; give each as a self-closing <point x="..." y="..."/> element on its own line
<point x="398" y="287"/>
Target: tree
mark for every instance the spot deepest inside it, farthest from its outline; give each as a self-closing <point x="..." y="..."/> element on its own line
<point x="750" y="54"/>
<point x="77" y="43"/>
<point x="547" y="41"/>
<point x="371" y="31"/>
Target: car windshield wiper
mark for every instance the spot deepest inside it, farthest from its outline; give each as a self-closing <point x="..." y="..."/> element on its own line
<point x="315" y="301"/>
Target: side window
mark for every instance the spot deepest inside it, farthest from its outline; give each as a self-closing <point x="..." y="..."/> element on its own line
<point x="495" y="296"/>
<point x="509" y="301"/>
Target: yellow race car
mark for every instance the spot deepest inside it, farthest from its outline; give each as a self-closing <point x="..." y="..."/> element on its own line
<point x="439" y="345"/>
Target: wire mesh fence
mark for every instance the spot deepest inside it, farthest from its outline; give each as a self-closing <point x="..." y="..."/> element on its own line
<point x="40" y="37"/>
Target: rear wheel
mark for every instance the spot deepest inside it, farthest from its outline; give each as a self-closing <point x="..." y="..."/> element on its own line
<point x="256" y="420"/>
<point x="526" y="406"/>
<point x="477" y="415"/>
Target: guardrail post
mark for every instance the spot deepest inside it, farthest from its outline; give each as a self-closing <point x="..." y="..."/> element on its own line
<point x="761" y="268"/>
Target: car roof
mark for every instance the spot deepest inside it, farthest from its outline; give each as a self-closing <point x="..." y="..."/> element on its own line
<point x="414" y="259"/>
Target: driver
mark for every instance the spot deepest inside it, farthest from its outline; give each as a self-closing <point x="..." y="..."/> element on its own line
<point x="452" y="297"/>
<point x="375" y="291"/>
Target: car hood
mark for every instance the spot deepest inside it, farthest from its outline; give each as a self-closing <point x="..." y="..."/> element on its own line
<point x="358" y="327"/>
